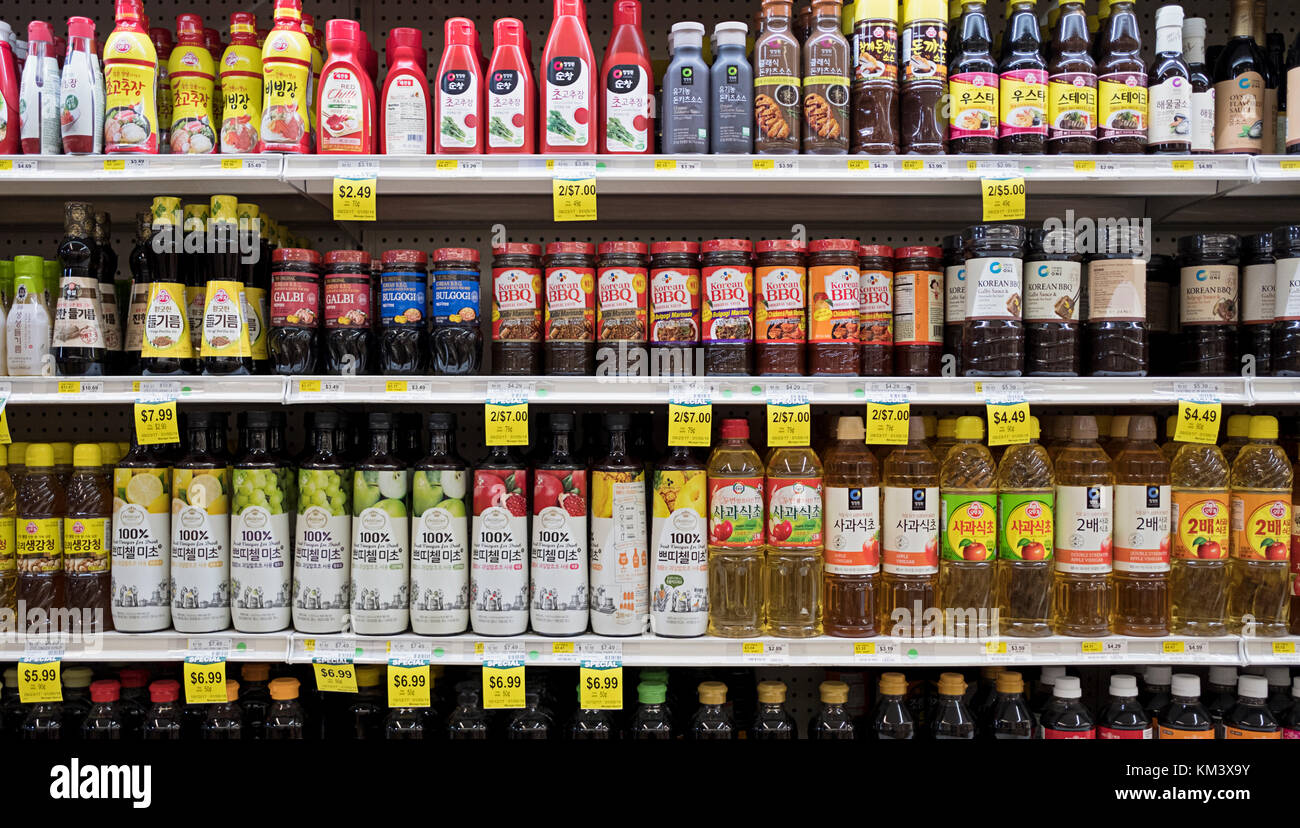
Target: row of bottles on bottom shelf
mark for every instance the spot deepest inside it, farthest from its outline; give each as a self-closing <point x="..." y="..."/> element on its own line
<point x="719" y="704"/>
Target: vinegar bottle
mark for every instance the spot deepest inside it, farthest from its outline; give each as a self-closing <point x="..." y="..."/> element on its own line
<point x="1199" y="523"/>
<point x="735" y="483"/>
<point x="793" y="570"/>
<point x="1081" y="589"/>
<point x="559" y="551"/>
<point x="969" y="523"/>
<point x="911" y="535"/>
<point x="620" y="571"/>
<point x="1260" y="482"/>
<point x="1238" y="431"/>
<point x="8" y="522"/>
<point x="851" y="478"/>
<point x="1141" y="534"/>
<point x="41" y="504"/>
<point x="679" y="563"/>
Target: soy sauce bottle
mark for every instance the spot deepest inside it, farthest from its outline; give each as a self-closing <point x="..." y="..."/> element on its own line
<point x="223" y="722"/>
<point x="712" y="721"/>
<point x="104" y="722"/>
<point x="284" y="718"/>
<point x="467" y="721"/>
<point x="590" y="724"/>
<point x="832" y="721"/>
<point x="162" y="722"/>
<point x="973" y="85"/>
<point x="952" y="719"/>
<point x="78" y="338"/>
<point x="402" y="289"/>
<point x="652" y="719"/>
<point x="532" y="722"/>
<point x="1208" y="305"/>
<point x="773" y="721"/>
<point x="1009" y="717"/>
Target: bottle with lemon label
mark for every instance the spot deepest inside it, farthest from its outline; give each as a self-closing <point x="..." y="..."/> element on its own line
<point x="142" y="542"/>
<point x="1260" y="510"/>
<point x="200" y="532"/>
<point x="679" y="555"/>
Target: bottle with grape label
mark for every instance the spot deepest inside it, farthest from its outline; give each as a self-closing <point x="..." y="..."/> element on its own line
<point x="322" y="549"/>
<point x="260" y="555"/>
<point x="440" y="535"/>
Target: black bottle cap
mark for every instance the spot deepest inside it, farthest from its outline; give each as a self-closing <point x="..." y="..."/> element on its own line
<point x="378" y="419"/>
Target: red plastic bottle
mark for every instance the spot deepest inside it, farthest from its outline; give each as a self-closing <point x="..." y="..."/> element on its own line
<point x="458" y="92"/>
<point x="568" y="80"/>
<point x="511" y="92"/>
<point x="9" y="141"/>
<point x="405" y="117"/>
<point x="345" y="105"/>
<point x="627" y="86"/>
<point x="369" y="59"/>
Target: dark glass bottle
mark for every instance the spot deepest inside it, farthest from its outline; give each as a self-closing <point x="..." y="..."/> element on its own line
<point x="832" y="721"/>
<point x="348" y="346"/>
<point x="1258" y="301"/>
<point x="226" y="348"/>
<point x="455" y="338"/>
<point x="1115" y="334"/>
<point x="1122" y="717"/>
<point x="191" y="267"/>
<point x="954" y="297"/>
<point x="532" y="722"/>
<point x="892" y="718"/>
<point x="162" y="721"/>
<point x="138" y="295"/>
<point x="1198" y="73"/>
<point x="1279" y="690"/>
<point x="44" y="722"/>
<point x="468" y="720"/>
<point x="104" y="721"/>
<point x="1009" y="716"/>
<point x="517" y="309"/>
<point x="222" y="722"/>
<point x="773" y="721"/>
<point x="1121" y="83"/>
<point x="166" y="340"/>
<point x="652" y="719"/>
<point x="1208" y="305"/>
<point x="1220" y="696"/>
<point x="295" y="310"/>
<point x="284" y="718"/>
<point x="1240" y="77"/>
<point x="402" y="306"/>
<point x="973" y="84"/>
<point x="1250" y="717"/>
<point x="1065" y="717"/>
<point x="1071" y="85"/>
<point x="993" y="334"/>
<point x="363" y="718"/>
<point x="1285" y="351"/>
<point x="134" y="700"/>
<point x="1157" y="681"/>
<point x="256" y="276"/>
<point x="103" y="265"/>
<point x="78" y="336"/>
<point x="1053" y="280"/>
<point x="254" y="697"/>
<point x="591" y="725"/>
<point x="952" y="719"/>
<point x="1022" y="84"/>
<point x="404" y="723"/>
<point x="712" y="720"/>
<point x="1169" y="120"/>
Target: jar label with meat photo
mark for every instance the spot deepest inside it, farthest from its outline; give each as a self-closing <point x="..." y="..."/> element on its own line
<point x="728" y="310"/>
<point x="1052" y="291"/>
<point x="974" y="105"/>
<point x="455" y="296"/>
<point x="794" y="512"/>
<point x="347" y="301"/>
<point x="674" y="306"/>
<point x="1239" y="114"/>
<point x="570" y="304"/>
<point x="825" y="110"/>
<point x="225" y="327"/>
<point x="1141" y="535"/>
<point x="1072" y="105"/>
<point x="1287" y="293"/>
<point x="876" y="307"/>
<point x="1117" y="290"/>
<point x="1209" y="295"/>
<point x="1200" y="525"/>
<point x="924" y="45"/>
<point x="1083" y="529"/>
<point x="516" y="304"/>
<point x="166" y="330"/>
<point x="1122" y="106"/>
<point x="736" y="512"/>
<point x="954" y="278"/>
<point x="86" y="543"/>
<point x="1022" y="103"/>
<point x="1261" y="526"/>
<point x="401" y="298"/>
<point x="777" y="96"/>
<point x="834" y="307"/>
<point x="918" y="307"/>
<point x="77" y="322"/>
<point x="779" y="305"/>
<point x="295" y="300"/>
<point x="852" y="530"/>
<point x="911" y="532"/>
<point x="994" y="289"/>
<point x="1258" y="294"/>
<point x="621" y="304"/>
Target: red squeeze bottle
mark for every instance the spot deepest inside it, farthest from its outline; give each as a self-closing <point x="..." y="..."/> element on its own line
<point x="405" y="112"/>
<point x="568" y="79"/>
<point x="627" y="86"/>
<point x="9" y="143"/>
<point x="345" y="105"/>
<point x="458" y="95"/>
<point x="370" y="59"/>
<point x="511" y="92"/>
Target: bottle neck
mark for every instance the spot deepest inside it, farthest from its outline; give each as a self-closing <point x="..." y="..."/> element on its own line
<point x="1194" y="49"/>
<point x="1022" y="29"/>
<point x="257" y="438"/>
<point x="975" y="35"/>
<point x="1169" y="40"/>
<point x="200" y="439"/>
<point x="324" y="440"/>
<point x="381" y="441"/>
<point x="439" y="442"/>
<point x="1243" y="18"/>
<point x="618" y="444"/>
<point x="561" y="447"/>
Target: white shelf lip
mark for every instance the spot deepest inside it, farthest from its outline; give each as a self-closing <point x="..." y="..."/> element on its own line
<point x="167" y="645"/>
<point x="93" y="390"/>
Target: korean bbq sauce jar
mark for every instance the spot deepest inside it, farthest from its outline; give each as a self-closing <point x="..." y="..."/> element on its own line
<point x="674" y="308"/>
<point x="1286" y="319"/>
<point x="876" y="309"/>
<point x="727" y="310"/>
<point x="349" y="344"/>
<point x="918" y="311"/>
<point x="1207" y="305"/>
<point x="1053" y="280"/>
<point x="295" y="310"/>
<point x="570" y="346"/>
<point x="455" y="338"/>
<point x="780" y="304"/>
<point x="402" y="304"/>
<point x="517" y="309"/>
<point x="993" y="335"/>
<point x="833" y="324"/>
<point x="621" y="309"/>
<point x="1115" y="334"/>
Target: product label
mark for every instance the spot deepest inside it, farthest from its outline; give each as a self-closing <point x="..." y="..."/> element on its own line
<point x="1083" y="529"/>
<point x="86" y="542"/>
<point x="516" y="305"/>
<point x="1026" y="529"/>
<point x="260" y="555"/>
<point x="918" y="307"/>
<point x="506" y="108"/>
<point x="1230" y="732"/>
<point x="241" y="98"/>
<point x="674" y="306"/>
<point x="1258" y="294"/>
<point x="138" y="312"/>
<point x="406" y="117"/>
<point x="875" y="46"/>
<point x="39" y="545"/>
<point x="924" y="50"/>
<point x="1200" y="525"/>
<point x="679" y="561"/>
<point x="77" y="320"/>
<point x="342" y="111"/>
<point x="1167" y="732"/>
<point x="911" y="532"/>
<point x="76" y="100"/>
<point x="1287" y="298"/>
<point x="112" y="328"/>
<point x="8" y="546"/>
<point x="1141" y="536"/>
<point x="825" y="100"/>
<point x="191" y="72"/>
<point x="736" y="511"/>
<point x="1209" y="295"/>
<point x="564" y="100"/>
<point x="455" y="296"/>
<point x="1112" y="733"/>
<point x="876" y="307"/>
<point x="1023" y="103"/>
<point x="439" y="552"/>
<point x="458" y="102"/>
<point x="1203" y="120"/>
<point x="628" y="108"/>
<point x="852" y="530"/>
<point x="225" y="327"/>
<point x="794" y="512"/>
<point x="779" y="306"/>
<point x="1117" y="290"/>
<point x="728" y="311"/>
<point x="1239" y="114"/>
<point x="570" y="304"/>
<point x="1122" y="106"/>
<point x="401" y="298"/>
<point x="686" y="108"/>
<point x="974" y="105"/>
<point x="257" y="310"/>
<point x="621" y="304"/>
<point x="970" y="527"/>
<point x="777" y="94"/>
<point x="559" y="551"/>
<point x="347" y="301"/>
<point x="954" y="278"/>
<point x="39" y="107"/>
<point x="620" y="586"/>
<point x="322" y="550"/>
<point x="1261" y="526"/>
<point x="1050" y="733"/>
<point x="286" y="86"/>
<point x="994" y="289"/>
<point x="200" y="563"/>
<point x="1171" y="113"/>
<point x="1071" y="105"/>
<point x="141" y="548"/>
<point x="381" y="551"/>
<point x="1052" y="291"/>
<point x="130" y="109"/>
<point x="499" y="552"/>
<point x="833" y="312"/>
<point x="295" y="300"/>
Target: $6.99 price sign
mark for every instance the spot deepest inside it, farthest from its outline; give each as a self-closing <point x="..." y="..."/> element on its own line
<point x="205" y="682"/>
<point x="503" y="685"/>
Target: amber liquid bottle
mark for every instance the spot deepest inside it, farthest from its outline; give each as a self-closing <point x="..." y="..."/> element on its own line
<point x="910" y="535"/>
<point x="851" y="481"/>
<point x="1261" y="483"/>
<point x="1240" y="73"/>
<point x="1141" y="535"/>
<point x="41" y="506"/>
<point x="1081" y="589"/>
<point x="1198" y="580"/>
<point x="8" y="557"/>
<point x="86" y="532"/>
<point x="1022" y="84"/>
<point x="1121" y="83"/>
<point x="1026" y="538"/>
<point x="973" y="85"/>
<point x="1071" y="85"/>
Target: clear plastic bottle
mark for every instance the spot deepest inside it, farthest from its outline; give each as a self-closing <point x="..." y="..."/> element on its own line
<point x="712" y="721"/>
<point x="1258" y="576"/>
<point x="911" y="535"/>
<point x="104" y="721"/>
<point x="946" y="437"/>
<point x="468" y="721"/>
<point x="1122" y="717"/>
<point x="969" y="524"/>
<point x="952" y="719"/>
<point x="162" y="722"/>
<point x="224" y="722"/>
<point x="1199" y="521"/>
<point x="255" y="695"/>
<point x="773" y="722"/>
<point x="1026" y="538"/>
<point x="832" y="721"/>
<point x="285" y="719"/>
<point x="1238" y="434"/>
<point x="1009" y="716"/>
<point x="1141" y="534"/>
<point x="735" y="483"/>
<point x="1250" y="717"/>
<point x="1065" y="717"/>
<point x="1184" y="717"/>
<point x="851" y="475"/>
<point x="892" y="719"/>
<point x="41" y="505"/>
<point x="652" y="719"/>
<point x="1081" y="585"/>
<point x="792" y="571"/>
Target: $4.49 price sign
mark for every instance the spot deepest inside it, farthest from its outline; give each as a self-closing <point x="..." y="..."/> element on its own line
<point x="1003" y="198"/>
<point x="354" y="199"/>
<point x="1198" y="422"/>
<point x="690" y="415"/>
<point x="789" y="415"/>
<point x="506" y="415"/>
<point x="1008" y="423"/>
<point x="155" y="422"/>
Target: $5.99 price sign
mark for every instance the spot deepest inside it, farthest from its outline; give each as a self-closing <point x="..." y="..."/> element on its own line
<point x="354" y="199"/>
<point x="155" y="423"/>
<point x="39" y="681"/>
<point x="503" y="684"/>
<point x="1198" y="422"/>
<point x="573" y="199"/>
<point x="1003" y="198"/>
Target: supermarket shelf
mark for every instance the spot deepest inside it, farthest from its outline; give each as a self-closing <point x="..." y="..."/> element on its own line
<point x="69" y="391"/>
<point x="85" y="176"/>
<point x="1275" y="390"/>
<point x="1272" y="651"/>
<point x="157" y="646"/>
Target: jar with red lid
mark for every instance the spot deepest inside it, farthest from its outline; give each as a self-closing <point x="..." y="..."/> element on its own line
<point x="918" y="311"/>
<point x="349" y="343"/>
<point x="517" y="309"/>
<point x="295" y="310"/>
<point x="674" y="308"/>
<point x="728" y="307"/>
<point x="455" y="338"/>
<point x="780" y="307"/>
<point x="402" y="304"/>
<point x="621" y="311"/>
<point x="570" y="348"/>
<point x="834" y="278"/>
<point x="876" y="309"/>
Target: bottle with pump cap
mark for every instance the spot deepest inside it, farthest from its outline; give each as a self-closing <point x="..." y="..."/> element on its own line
<point x="1081" y="588"/>
<point x="569" y="99"/>
<point x="1184" y="717"/>
<point x="685" y="93"/>
<point x="892" y="719"/>
<point x="832" y="721"/>
<point x="773" y="721"/>
<point x="1250" y="717"/>
<point x="511" y="91"/>
<point x="712" y="721"/>
<point x="345" y="98"/>
<point x="1065" y="717"/>
<point x="1123" y="717"/>
<point x="951" y="718"/>
<point x="1260" y="482"/>
<point x="458" y="93"/>
<point x="731" y="92"/>
<point x="1009" y="717"/>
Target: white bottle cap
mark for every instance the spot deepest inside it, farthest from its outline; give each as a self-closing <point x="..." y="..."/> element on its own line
<point x="688" y="33"/>
<point x="1067" y="687"/>
<point x="1050" y="674"/>
<point x="1169" y="17"/>
<point x="1252" y="687"/>
<point x="1123" y="685"/>
<point x="1223" y="676"/>
<point x="1158" y="676"/>
<point x="5" y="32"/>
<point x="1194" y="27"/>
<point x="730" y="33"/>
<point x="1187" y="685"/>
<point x="1278" y="676"/>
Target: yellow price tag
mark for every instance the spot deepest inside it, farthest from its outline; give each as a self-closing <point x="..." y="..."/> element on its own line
<point x="573" y="199"/>
<point x="913" y="165"/>
<point x="859" y="164"/>
<point x="1198" y="422"/>
<point x="1183" y="164"/>
<point x="1091" y="647"/>
<point x="114" y="164"/>
<point x="1004" y="198"/>
<point x="395" y="386"/>
<point x="864" y="648"/>
<point x="205" y="683"/>
<point x="1283" y="648"/>
<point x="5" y="439"/>
<point x="408" y="685"/>
<point x="1085" y="166"/>
<point x="789" y="425"/>
<point x="1173" y="647"/>
<point x="335" y="678"/>
<point x="155" y="423"/>
<point x="600" y="688"/>
<point x="354" y="199"/>
<point x="764" y="164"/>
<point x="503" y="686"/>
<point x="562" y="648"/>
<point x="995" y="648"/>
<point x="447" y="164"/>
<point x="69" y="387"/>
<point x="506" y="424"/>
<point x="665" y="164"/>
<point x="232" y="164"/>
<point x="887" y="423"/>
<point x="309" y="386"/>
<point x="38" y="681"/>
<point x="1008" y="423"/>
<point x="6" y="165"/>
<point x="1289" y="165"/>
<point x="690" y="425"/>
<point x="751" y="648"/>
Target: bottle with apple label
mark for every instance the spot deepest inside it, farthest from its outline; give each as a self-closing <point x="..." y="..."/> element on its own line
<point x="259" y="534"/>
<point x="498" y="578"/>
<point x="968" y="486"/>
<point x="1081" y="586"/>
<point x="322" y="549"/>
<point x="558" y="557"/>
<point x="620" y="572"/>
<point x="911" y="536"/>
<point x="679" y="563"/>
<point x="852" y="550"/>
<point x="141" y="567"/>
<point x="792" y="571"/>
<point x="1260" y="509"/>
<point x="381" y="536"/>
<point x="735" y="484"/>
<point x="1198" y="578"/>
<point x="1141" y="535"/>
<point x="200" y="554"/>
<point x="440" y="535"/>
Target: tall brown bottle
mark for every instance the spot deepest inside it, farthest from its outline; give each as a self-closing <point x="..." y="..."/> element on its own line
<point x="851" y="480"/>
<point x="1022" y="84"/>
<point x="86" y="532"/>
<point x="874" y="90"/>
<point x="826" y="63"/>
<point x="777" y="73"/>
<point x="1121" y="83"/>
<point x="1071" y="85"/>
<point x="973" y="84"/>
<point x="41" y="506"/>
<point x="924" y="69"/>
<point x="1239" y="82"/>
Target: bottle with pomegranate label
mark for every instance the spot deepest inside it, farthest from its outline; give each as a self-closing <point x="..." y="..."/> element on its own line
<point x="381" y="536"/>
<point x="498" y="577"/>
<point x="558" y="556"/>
<point x="679" y="568"/>
<point x="620" y="578"/>
<point x="440" y="535"/>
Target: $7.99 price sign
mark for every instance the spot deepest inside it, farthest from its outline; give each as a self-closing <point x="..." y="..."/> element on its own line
<point x="155" y="422"/>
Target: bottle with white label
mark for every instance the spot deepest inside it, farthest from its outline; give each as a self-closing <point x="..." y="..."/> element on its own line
<point x="1141" y="536"/>
<point x="381" y="536"/>
<point x="1081" y="584"/>
<point x="679" y="561"/>
<point x="558" y="602"/>
<point x="910" y="542"/>
<point x="39" y="101"/>
<point x="1169" y="85"/>
<point x="852" y="521"/>
<point x="80" y="107"/>
<point x="200" y="553"/>
<point x="498" y="577"/>
<point x="440" y="534"/>
<point x="620" y="581"/>
<point x="260" y="555"/>
<point x="142" y="541"/>
<point x="322" y="549"/>
<point x="1202" y="112"/>
<point x="27" y="327"/>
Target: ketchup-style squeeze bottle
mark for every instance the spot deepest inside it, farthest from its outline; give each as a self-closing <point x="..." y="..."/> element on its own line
<point x="626" y="86"/>
<point x="569" y="99"/>
<point x="458" y="96"/>
<point x="345" y="100"/>
<point x="511" y="91"/>
<point x="405" y="112"/>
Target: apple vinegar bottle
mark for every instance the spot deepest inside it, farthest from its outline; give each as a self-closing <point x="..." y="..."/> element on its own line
<point x="852" y="550"/>
<point x="969" y="526"/>
<point x="1141" y="535"/>
<point x="1026" y="538"/>
<point x="911" y="535"/>
<point x="1085" y="483"/>
<point x="792" y="570"/>
<point x="1260" y="509"/>
<point x="735" y="484"/>
<point x="1198" y="578"/>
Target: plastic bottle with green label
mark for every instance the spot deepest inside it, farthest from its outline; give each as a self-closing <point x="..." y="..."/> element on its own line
<point x="381" y="536"/>
<point x="440" y="535"/>
<point x="795" y="539"/>
<point x="968" y="531"/>
<point x="1026" y="533"/>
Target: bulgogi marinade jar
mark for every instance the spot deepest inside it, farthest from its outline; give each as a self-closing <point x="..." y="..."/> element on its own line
<point x="1286" y="319"/>
<point x="954" y="296"/>
<point x="876" y="309"/>
<point x="674" y="308"/>
<point x="780" y="301"/>
<point x="1053" y="277"/>
<point x="455" y="331"/>
<point x="348" y="346"/>
<point x="1115" y="333"/>
<point x="834" y="288"/>
<point x="1258" y="301"/>
<point x="570" y="347"/>
<point x="1207" y="305"/>
<point x="295" y="310"/>
<point x="993" y="334"/>
<point x="517" y="309"/>
<point x="403" y="288"/>
<point x="621" y="308"/>
<point x="727" y="312"/>
<point x="918" y="311"/>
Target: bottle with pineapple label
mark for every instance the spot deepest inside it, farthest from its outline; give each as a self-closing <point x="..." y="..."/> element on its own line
<point x="620" y="579"/>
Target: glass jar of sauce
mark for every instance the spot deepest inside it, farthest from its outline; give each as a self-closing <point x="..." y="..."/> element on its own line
<point x="570" y="348"/>
<point x="1258" y="301"/>
<point x="993" y="333"/>
<point x="295" y="310"/>
<point x="834" y="285"/>
<point x="1053" y="277"/>
<point x="517" y="309"/>
<point x="781" y="288"/>
<point x="1286" y="319"/>
<point x="728" y="307"/>
<point x="918" y="311"/>
<point x="621" y="273"/>
<point x="674" y="308"/>
<point x="954" y="297"/>
<point x="455" y="332"/>
<point x="1116" y="332"/>
<point x="1162" y="314"/>
<point x="1207" y="305"/>
<point x="349" y="343"/>
<point x="403" y="303"/>
<point x="876" y="309"/>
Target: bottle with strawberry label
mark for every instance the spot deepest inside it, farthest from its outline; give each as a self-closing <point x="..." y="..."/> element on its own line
<point x="969" y="521"/>
<point x="1198" y="577"/>
<point x="1123" y="716"/>
<point x="1260" y="508"/>
<point x="1141" y="534"/>
<point x="908" y="600"/>
<point x="795" y="533"/>
<point x="381" y="536"/>
<point x="679" y="561"/>
<point x="852" y="520"/>
<point x="1065" y="717"/>
<point x="620" y="565"/>
<point x="1081" y="583"/>
<point x="498" y="576"/>
<point x="558" y="556"/>
<point x="440" y="535"/>
<point x="735" y="485"/>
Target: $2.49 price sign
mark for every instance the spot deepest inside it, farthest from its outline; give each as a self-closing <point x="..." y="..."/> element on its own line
<point x="1198" y="422"/>
<point x="155" y="422"/>
<point x="354" y="199"/>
